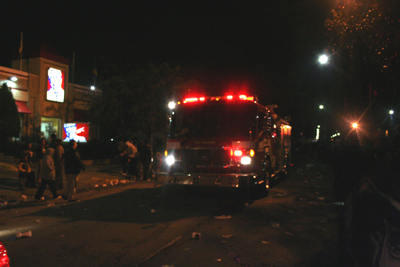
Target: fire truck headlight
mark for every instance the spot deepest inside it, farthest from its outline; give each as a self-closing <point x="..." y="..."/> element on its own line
<point x="170" y="160"/>
<point x="245" y="160"/>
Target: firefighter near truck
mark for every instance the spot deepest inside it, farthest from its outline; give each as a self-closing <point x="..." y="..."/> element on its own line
<point x="225" y="141"/>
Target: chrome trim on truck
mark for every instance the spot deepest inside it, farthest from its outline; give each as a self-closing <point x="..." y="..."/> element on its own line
<point x="208" y="179"/>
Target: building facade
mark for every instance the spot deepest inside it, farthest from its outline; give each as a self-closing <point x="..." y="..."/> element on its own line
<point x="47" y="102"/>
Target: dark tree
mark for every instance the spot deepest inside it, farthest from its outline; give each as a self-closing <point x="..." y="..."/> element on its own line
<point x="9" y="118"/>
<point x="364" y="41"/>
<point x="134" y="99"/>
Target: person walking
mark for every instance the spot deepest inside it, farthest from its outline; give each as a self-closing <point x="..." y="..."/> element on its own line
<point x="24" y="169"/>
<point x="48" y="175"/>
<point x="145" y="158"/>
<point x="73" y="166"/>
<point x="40" y="151"/>
<point x="59" y="163"/>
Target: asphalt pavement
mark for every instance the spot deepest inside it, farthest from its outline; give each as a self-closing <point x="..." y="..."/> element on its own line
<point x="95" y="177"/>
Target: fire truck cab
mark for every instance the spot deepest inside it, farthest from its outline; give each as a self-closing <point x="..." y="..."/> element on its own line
<point x="225" y="141"/>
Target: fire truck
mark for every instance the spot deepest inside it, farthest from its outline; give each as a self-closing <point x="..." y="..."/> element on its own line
<point x="225" y="141"/>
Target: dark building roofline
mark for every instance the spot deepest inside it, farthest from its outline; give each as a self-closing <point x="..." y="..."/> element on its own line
<point x="44" y="51"/>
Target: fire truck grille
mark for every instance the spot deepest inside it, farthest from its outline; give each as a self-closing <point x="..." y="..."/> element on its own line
<point x="206" y="160"/>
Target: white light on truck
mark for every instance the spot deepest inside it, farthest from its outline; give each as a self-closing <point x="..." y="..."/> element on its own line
<point x="170" y="160"/>
<point x="171" y="105"/>
<point x="245" y="160"/>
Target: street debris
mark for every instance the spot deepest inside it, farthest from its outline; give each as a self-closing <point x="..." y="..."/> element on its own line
<point x="196" y="235"/>
<point x="238" y="261"/>
<point x="12" y="202"/>
<point x="309" y="166"/>
<point x="26" y="234"/>
<point x="227" y="236"/>
<point x="338" y="203"/>
<point x="275" y="224"/>
<point x="3" y="204"/>
<point x="223" y="217"/>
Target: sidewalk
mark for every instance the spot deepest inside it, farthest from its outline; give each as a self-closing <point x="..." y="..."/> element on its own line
<point x="96" y="177"/>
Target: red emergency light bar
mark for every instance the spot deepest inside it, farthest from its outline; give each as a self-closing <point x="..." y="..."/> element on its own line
<point x="217" y="98"/>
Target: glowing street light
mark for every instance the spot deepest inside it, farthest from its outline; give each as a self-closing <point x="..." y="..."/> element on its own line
<point x="355" y="125"/>
<point x="391" y="112"/>
<point x="323" y="59"/>
<point x="321" y="106"/>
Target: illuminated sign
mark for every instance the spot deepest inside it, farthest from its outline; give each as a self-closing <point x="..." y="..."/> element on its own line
<point x="76" y="131"/>
<point x="55" y="85"/>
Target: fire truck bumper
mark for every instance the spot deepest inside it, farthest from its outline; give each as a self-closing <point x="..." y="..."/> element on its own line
<point x="209" y="179"/>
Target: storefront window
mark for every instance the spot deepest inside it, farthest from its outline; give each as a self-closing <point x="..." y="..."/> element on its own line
<point x="49" y="126"/>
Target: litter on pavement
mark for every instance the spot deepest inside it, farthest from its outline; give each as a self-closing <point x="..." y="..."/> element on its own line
<point x="274" y="224"/>
<point x="26" y="234"/>
<point x="223" y="217"/>
<point x="196" y="235"/>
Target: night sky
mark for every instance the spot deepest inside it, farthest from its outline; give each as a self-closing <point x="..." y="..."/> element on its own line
<point x="260" y="44"/>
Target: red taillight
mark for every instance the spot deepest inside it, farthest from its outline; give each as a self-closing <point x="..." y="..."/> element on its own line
<point x="229" y="97"/>
<point x="4" y="260"/>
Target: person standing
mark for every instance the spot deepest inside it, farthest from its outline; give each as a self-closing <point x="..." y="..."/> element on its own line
<point x="40" y="151"/>
<point x="24" y="169"/>
<point x="145" y="158"/>
<point x="48" y="175"/>
<point x="128" y="159"/>
<point x="30" y="180"/>
<point x="73" y="166"/>
<point x="132" y="154"/>
<point x="59" y="163"/>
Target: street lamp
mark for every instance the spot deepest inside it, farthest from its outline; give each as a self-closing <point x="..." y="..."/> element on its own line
<point x="321" y="106"/>
<point x="323" y="59"/>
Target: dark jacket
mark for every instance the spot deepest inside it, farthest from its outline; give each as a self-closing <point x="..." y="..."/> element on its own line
<point x="72" y="162"/>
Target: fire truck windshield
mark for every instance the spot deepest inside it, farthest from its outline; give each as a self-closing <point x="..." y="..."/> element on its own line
<point x="217" y="119"/>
